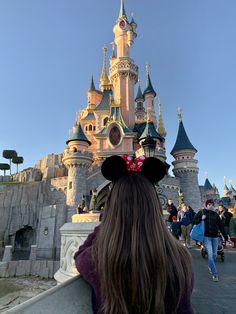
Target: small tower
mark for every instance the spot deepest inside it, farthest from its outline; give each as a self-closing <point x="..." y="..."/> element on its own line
<point x="226" y="189"/>
<point x="91" y="93"/>
<point x="149" y="96"/>
<point x="185" y="166"/>
<point x="104" y="79"/>
<point x="77" y="159"/>
<point x="140" y="110"/>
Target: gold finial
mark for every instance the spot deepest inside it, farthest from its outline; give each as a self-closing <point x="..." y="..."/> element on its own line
<point x="104" y="80"/>
<point x="179" y="114"/>
<point x="161" y="129"/>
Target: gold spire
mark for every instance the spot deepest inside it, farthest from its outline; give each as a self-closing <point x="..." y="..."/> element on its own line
<point x="179" y="114"/>
<point x="104" y="80"/>
<point x="161" y="129"/>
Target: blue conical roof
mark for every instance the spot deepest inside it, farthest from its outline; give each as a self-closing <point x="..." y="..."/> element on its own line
<point x="151" y="131"/>
<point x="226" y="188"/>
<point x="207" y="185"/>
<point x="77" y="134"/>
<point x="92" y="86"/>
<point x="149" y="89"/>
<point x="182" y="141"/>
<point x="139" y="94"/>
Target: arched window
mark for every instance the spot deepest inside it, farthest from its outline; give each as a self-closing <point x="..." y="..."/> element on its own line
<point x="74" y="149"/>
<point x="90" y="127"/>
<point x="105" y="121"/>
<point x="94" y="128"/>
<point x="86" y="128"/>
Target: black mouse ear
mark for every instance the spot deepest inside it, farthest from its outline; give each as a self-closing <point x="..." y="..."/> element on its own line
<point x="113" y="168"/>
<point x="153" y="169"/>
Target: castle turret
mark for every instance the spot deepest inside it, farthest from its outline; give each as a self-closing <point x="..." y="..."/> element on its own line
<point x="104" y="79"/>
<point x="140" y="110"/>
<point x="149" y="96"/>
<point x="225" y="189"/>
<point x="123" y="70"/>
<point x="77" y="159"/>
<point x="161" y="129"/>
<point x="185" y="167"/>
<point x="151" y="132"/>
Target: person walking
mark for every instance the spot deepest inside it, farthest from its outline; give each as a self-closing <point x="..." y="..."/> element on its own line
<point x="172" y="210"/>
<point x="185" y="218"/>
<point x="232" y="226"/>
<point x="131" y="260"/>
<point x="225" y="216"/>
<point x="213" y="225"/>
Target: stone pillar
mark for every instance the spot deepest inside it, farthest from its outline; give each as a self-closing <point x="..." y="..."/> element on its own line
<point x="72" y="236"/>
<point x="7" y="256"/>
<point x="33" y="252"/>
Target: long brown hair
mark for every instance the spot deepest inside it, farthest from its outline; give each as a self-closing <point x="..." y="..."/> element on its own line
<point x="137" y="258"/>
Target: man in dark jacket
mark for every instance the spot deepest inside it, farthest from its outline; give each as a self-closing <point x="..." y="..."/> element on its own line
<point x="213" y="225"/>
<point x="225" y="216"/>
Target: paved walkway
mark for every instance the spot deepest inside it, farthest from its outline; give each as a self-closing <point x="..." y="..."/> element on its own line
<point x="214" y="297"/>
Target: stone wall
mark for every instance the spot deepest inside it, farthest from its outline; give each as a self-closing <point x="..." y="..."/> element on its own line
<point x="38" y="205"/>
<point x="190" y="188"/>
<point x="42" y="269"/>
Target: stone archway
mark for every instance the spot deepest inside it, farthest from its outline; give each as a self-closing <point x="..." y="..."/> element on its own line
<point x="24" y="238"/>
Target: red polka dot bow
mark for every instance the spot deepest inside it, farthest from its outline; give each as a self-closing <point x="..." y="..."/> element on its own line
<point x="134" y="165"/>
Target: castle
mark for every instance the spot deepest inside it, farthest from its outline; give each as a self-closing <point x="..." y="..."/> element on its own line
<point x="116" y="121"/>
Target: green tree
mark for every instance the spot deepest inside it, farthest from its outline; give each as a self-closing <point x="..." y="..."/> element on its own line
<point x="17" y="160"/>
<point x="9" y="154"/>
<point x="4" y="167"/>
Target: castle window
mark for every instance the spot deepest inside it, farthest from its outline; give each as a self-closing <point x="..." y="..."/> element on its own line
<point x="86" y="128"/>
<point x="90" y="127"/>
<point x="70" y="185"/>
<point x="105" y="121"/>
<point x="74" y="149"/>
<point x="94" y="128"/>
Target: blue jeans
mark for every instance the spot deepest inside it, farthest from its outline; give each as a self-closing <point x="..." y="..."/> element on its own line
<point x="211" y="245"/>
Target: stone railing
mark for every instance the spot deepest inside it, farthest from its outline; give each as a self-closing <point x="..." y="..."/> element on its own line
<point x="73" y="296"/>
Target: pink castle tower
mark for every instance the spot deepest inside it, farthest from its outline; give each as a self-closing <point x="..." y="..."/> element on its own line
<point x="111" y="121"/>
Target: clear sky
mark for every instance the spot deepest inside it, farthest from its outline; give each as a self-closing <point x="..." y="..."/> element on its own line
<point x="50" y="49"/>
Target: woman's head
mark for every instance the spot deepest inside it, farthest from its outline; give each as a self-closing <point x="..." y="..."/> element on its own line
<point x="132" y="199"/>
<point x="136" y="254"/>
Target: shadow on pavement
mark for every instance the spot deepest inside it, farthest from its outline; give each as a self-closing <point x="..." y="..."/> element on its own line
<point x="214" y="297"/>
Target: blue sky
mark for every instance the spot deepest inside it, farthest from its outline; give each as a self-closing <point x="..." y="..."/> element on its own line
<point x="50" y="49"/>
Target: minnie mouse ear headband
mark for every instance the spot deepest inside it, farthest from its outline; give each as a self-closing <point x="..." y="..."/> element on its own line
<point x="115" y="167"/>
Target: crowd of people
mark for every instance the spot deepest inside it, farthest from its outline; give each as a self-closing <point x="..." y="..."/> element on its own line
<point x="219" y="225"/>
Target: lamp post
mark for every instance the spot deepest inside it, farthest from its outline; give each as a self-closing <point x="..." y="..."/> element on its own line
<point x="149" y="146"/>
